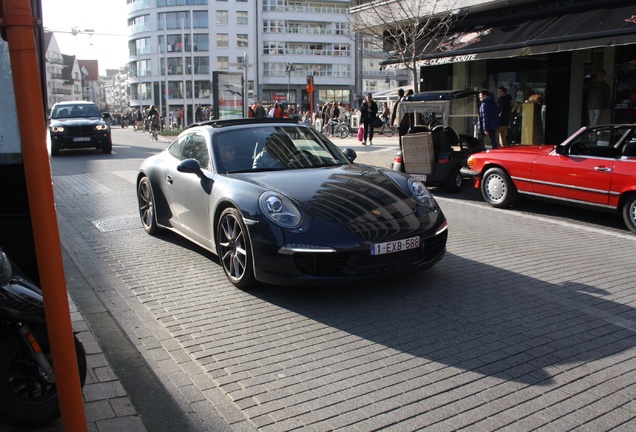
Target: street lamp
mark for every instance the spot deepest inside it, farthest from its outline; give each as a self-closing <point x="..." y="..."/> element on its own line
<point x="289" y="68"/>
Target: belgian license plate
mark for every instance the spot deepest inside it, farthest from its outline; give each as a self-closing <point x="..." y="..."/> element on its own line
<point x="82" y="139"/>
<point x="420" y="177"/>
<point x="395" y="246"/>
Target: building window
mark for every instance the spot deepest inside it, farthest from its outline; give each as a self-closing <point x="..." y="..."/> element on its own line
<point x="341" y="49"/>
<point x="202" y="89"/>
<point x="241" y="18"/>
<point x="145" y="68"/>
<point x="222" y="63"/>
<point x="177" y="20"/>
<point x="341" y="28"/>
<point x="139" y="46"/>
<point x="201" y="43"/>
<point x="200" y="19"/>
<point x="273" y="47"/>
<point x="241" y="41"/>
<point x="273" y="26"/>
<point x="221" y="17"/>
<point x="222" y="40"/>
<point x="145" y="91"/>
<point x="161" y="3"/>
<point x="201" y="65"/>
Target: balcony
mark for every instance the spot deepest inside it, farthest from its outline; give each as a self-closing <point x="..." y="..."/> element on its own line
<point x="61" y="91"/>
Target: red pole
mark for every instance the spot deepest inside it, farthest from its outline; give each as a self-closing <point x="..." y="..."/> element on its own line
<point x="19" y="23"/>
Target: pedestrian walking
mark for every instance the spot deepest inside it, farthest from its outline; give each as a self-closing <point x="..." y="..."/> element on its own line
<point x="504" y="105"/>
<point x="488" y="119"/>
<point x="368" y="114"/>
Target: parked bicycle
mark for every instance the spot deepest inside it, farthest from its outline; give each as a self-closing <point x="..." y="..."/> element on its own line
<point x="329" y="128"/>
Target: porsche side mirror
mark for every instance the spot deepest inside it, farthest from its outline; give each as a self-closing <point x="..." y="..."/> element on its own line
<point x="190" y="166"/>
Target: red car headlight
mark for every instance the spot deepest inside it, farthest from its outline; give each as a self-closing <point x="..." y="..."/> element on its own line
<point x="471" y="162"/>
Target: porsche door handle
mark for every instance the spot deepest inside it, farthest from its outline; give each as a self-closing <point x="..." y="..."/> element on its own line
<point x="603" y="169"/>
<point x="169" y="179"/>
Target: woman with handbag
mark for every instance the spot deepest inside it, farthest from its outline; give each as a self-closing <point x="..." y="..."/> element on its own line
<point x="368" y="114"/>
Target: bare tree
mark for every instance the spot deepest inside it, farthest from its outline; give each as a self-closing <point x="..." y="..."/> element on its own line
<point x="407" y="27"/>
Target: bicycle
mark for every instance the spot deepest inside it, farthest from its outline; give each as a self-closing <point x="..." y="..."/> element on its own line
<point x="154" y="133"/>
<point x="343" y="130"/>
<point x="387" y="130"/>
<point x="330" y="128"/>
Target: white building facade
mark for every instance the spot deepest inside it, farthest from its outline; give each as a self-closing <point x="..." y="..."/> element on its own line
<point x="176" y="45"/>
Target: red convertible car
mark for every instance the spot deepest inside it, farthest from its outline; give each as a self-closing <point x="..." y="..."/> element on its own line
<point x="594" y="167"/>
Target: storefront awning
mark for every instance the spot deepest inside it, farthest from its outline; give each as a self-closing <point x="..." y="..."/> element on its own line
<point x="566" y="32"/>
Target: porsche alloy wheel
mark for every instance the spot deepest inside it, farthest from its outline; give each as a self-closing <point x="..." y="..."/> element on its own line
<point x="146" y="203"/>
<point x="629" y="213"/>
<point x="234" y="250"/>
<point x="497" y="188"/>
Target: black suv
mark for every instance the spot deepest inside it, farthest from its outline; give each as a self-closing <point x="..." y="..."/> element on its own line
<point x="78" y="124"/>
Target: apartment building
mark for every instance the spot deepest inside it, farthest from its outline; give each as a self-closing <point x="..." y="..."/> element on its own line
<point x="175" y="46"/>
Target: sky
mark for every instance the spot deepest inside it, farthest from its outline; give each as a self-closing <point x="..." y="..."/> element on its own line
<point x="107" y="18"/>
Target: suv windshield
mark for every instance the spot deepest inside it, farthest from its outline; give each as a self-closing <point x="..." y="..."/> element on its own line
<point x="71" y="111"/>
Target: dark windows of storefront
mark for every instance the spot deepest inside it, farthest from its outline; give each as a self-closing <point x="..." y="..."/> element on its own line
<point x="625" y="71"/>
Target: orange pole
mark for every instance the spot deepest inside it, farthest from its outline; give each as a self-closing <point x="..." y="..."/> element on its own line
<point x="19" y="23"/>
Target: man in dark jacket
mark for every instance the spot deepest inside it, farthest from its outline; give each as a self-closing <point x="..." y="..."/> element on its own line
<point x="504" y="102"/>
<point x="488" y="119"/>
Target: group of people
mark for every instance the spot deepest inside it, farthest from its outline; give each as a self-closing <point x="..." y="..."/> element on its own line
<point x="494" y="117"/>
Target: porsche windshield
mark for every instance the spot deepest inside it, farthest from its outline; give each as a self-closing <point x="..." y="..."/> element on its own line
<point x="273" y="148"/>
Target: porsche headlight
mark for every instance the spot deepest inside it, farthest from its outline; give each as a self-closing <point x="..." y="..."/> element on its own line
<point x="57" y="128"/>
<point x="101" y="127"/>
<point x="419" y="192"/>
<point x="279" y="210"/>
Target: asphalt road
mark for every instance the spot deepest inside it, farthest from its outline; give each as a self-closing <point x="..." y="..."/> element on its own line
<point x="528" y="323"/>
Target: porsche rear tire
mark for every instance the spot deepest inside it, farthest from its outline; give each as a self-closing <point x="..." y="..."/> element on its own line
<point x="234" y="249"/>
<point x="497" y="188"/>
<point x="146" y="204"/>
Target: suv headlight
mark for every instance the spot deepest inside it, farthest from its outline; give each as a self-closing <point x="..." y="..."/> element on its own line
<point x="57" y="128"/>
<point x="101" y="127"/>
<point x="279" y="210"/>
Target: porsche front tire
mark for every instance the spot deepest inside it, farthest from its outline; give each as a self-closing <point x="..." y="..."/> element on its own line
<point x="234" y="249"/>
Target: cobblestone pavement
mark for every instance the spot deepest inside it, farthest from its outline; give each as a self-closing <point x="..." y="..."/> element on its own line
<point x="527" y="324"/>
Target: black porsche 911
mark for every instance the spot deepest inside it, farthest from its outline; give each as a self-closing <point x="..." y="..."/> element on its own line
<point x="280" y="204"/>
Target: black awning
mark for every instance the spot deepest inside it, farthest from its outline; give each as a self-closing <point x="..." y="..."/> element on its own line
<point x="566" y="32"/>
